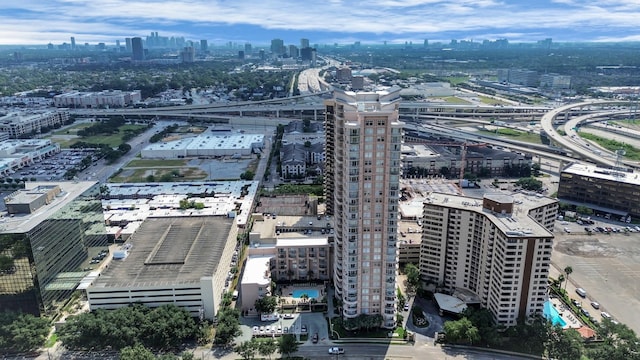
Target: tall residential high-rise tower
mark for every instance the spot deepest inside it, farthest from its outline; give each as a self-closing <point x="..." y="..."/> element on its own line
<point x="494" y="251"/>
<point x="362" y="172"/>
<point x="136" y="47"/>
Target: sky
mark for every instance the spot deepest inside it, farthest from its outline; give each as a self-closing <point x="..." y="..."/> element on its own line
<point x="38" y="22"/>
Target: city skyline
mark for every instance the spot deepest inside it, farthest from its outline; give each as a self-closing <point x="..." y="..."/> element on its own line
<point x="39" y="22"/>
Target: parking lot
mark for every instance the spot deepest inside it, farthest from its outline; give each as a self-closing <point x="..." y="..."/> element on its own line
<point x="54" y="167"/>
<point x="605" y="264"/>
<point x="296" y="324"/>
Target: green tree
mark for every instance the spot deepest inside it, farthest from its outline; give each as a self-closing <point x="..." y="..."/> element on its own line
<point x="247" y="349"/>
<point x="529" y="183"/>
<point x="564" y="344"/>
<point x="228" y="327"/>
<point x="461" y="332"/>
<point x="267" y="348"/>
<point x="136" y="352"/>
<point x="247" y="175"/>
<point x="287" y="345"/>
<point x="266" y="305"/>
<point x="535" y="169"/>
<point x="22" y="332"/>
<point x="187" y="356"/>
<point x="567" y="271"/>
<point x="619" y="342"/>
<point x="413" y="276"/>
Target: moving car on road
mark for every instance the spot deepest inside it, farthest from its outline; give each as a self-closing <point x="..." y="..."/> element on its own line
<point x="336" y="350"/>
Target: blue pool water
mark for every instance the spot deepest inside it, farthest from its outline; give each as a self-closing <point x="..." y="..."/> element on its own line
<point x="550" y="312"/>
<point x="312" y="293"/>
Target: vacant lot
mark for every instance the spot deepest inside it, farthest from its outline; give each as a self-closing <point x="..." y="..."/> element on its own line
<point x="514" y="134"/>
<point x="607" y="267"/>
<point x="69" y="136"/>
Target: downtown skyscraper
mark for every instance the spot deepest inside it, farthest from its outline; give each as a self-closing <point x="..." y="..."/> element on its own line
<point x="362" y="175"/>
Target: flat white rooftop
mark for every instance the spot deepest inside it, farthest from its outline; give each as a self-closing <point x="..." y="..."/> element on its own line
<point x="301" y="241"/>
<point x="211" y="141"/>
<point x="22" y="223"/>
<point x="256" y="270"/>
<point x="517" y="224"/>
<point x="602" y="173"/>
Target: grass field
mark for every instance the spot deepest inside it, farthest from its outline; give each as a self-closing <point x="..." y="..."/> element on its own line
<point x="73" y="129"/>
<point x="631" y="152"/>
<point x="141" y="175"/>
<point x="491" y="101"/>
<point x="112" y="140"/>
<point x="515" y="135"/>
<point x="150" y="163"/>
<point x="453" y="100"/>
<point x="455" y="80"/>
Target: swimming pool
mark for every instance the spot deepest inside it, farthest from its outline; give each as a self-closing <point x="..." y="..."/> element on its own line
<point x="312" y="293"/>
<point x="550" y="312"/>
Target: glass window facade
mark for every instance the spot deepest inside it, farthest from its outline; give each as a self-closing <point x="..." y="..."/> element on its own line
<point x="41" y="268"/>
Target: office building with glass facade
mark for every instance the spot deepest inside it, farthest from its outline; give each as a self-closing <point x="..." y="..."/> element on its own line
<point x="45" y="235"/>
<point x="603" y="190"/>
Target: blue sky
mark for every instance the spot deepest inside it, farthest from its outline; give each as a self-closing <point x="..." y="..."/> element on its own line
<point x="39" y="22"/>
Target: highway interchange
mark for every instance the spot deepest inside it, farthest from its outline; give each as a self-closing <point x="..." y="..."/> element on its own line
<point x="424" y="347"/>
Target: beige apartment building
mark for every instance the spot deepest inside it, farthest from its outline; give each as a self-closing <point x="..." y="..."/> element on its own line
<point x="497" y="248"/>
<point x="362" y="171"/>
<point x="284" y="249"/>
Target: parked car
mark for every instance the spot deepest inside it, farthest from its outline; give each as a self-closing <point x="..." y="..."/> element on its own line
<point x="582" y="292"/>
<point x="585" y="312"/>
<point x="303" y="329"/>
<point x="605" y="315"/>
<point x="595" y="305"/>
<point x="406" y="307"/>
<point x="336" y="350"/>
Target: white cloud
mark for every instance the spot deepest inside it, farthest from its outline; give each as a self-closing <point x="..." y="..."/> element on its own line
<point x="109" y="19"/>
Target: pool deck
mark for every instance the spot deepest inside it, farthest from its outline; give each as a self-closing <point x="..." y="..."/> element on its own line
<point x="565" y="313"/>
<point x="287" y="292"/>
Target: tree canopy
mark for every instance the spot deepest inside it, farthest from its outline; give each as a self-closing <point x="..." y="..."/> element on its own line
<point x="162" y="328"/>
<point x="21" y="332"/>
<point x="266" y="305"/>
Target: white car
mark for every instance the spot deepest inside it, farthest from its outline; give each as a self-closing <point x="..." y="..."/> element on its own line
<point x="595" y="305"/>
<point x="567" y="230"/>
<point x="336" y="350"/>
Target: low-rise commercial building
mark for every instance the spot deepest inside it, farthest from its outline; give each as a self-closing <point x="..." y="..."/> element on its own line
<point x="100" y="99"/>
<point x="604" y="190"/>
<point x="445" y="159"/>
<point x="207" y="144"/>
<point x="15" y="154"/>
<point x="27" y="124"/>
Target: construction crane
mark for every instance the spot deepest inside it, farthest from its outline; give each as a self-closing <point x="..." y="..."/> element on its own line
<point x="463" y="155"/>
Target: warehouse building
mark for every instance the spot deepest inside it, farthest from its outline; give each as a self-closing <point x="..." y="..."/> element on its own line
<point x="207" y="144"/>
